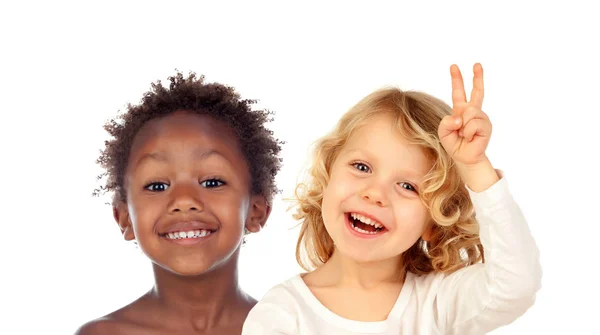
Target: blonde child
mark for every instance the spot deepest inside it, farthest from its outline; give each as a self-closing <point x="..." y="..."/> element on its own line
<point x="400" y="208"/>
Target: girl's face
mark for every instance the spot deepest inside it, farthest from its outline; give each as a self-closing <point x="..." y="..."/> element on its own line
<point x="371" y="206"/>
<point x="188" y="193"/>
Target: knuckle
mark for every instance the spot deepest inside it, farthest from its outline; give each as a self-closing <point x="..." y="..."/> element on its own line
<point x="472" y="109"/>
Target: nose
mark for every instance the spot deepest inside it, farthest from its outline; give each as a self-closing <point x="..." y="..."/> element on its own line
<point x="375" y="195"/>
<point x="184" y="199"/>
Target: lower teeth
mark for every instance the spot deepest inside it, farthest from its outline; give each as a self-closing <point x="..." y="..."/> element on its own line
<point x="365" y="231"/>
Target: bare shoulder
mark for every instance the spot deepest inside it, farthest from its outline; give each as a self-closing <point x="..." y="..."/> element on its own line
<point x="127" y="320"/>
<point x="115" y="326"/>
<point x="104" y="325"/>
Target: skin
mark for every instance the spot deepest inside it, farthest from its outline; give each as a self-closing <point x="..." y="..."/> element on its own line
<point x="183" y="168"/>
<point x="366" y="178"/>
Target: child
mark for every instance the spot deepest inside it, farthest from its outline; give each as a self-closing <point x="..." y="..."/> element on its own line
<point x="192" y="169"/>
<point x="388" y="225"/>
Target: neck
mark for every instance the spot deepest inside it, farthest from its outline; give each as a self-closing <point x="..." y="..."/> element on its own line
<point x="208" y="300"/>
<point x="349" y="272"/>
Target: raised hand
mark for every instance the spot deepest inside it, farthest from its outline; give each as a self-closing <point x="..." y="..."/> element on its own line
<point x="466" y="133"/>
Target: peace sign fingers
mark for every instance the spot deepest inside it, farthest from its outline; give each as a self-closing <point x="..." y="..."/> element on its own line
<point x="459" y="97"/>
<point x="458" y="88"/>
<point x="477" y="92"/>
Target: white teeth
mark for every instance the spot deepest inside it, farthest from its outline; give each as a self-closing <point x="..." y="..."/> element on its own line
<point x="364" y="231"/>
<point x="187" y="234"/>
<point x="366" y="220"/>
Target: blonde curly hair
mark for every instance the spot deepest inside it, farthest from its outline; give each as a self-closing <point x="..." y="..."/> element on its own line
<point x="454" y="242"/>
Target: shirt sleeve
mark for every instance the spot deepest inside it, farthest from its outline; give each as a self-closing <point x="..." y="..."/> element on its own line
<point x="271" y="316"/>
<point x="483" y="297"/>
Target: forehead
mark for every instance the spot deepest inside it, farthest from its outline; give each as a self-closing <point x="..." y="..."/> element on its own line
<point x="380" y="137"/>
<point x="185" y="133"/>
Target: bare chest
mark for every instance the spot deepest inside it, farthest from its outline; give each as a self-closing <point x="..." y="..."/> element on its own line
<point x="147" y="330"/>
<point x="151" y="327"/>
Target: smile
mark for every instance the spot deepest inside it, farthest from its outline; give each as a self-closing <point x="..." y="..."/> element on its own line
<point x="189" y="234"/>
<point x="188" y="237"/>
<point x="365" y="226"/>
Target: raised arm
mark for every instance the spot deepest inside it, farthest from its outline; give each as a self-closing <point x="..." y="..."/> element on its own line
<point x="482" y="297"/>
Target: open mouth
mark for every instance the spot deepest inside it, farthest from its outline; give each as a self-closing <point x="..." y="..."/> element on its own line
<point x="364" y="225"/>
<point x="191" y="234"/>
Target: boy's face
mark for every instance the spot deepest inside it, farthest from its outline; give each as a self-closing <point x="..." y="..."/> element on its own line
<point x="188" y="194"/>
<point x="371" y="206"/>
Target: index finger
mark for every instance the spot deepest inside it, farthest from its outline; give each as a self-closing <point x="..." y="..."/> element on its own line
<point x="458" y="86"/>
<point x="477" y="92"/>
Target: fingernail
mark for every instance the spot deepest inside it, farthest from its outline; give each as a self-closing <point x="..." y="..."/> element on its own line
<point x="457" y="120"/>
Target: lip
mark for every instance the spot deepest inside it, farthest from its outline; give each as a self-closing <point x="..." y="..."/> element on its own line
<point x="190" y="241"/>
<point x="348" y="225"/>
<point x="188" y="226"/>
<point x="369" y="216"/>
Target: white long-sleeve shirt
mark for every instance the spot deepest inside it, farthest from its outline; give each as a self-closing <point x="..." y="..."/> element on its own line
<point x="473" y="300"/>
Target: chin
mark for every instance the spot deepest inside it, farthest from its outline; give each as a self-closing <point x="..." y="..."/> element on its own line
<point x="360" y="255"/>
<point x="189" y="268"/>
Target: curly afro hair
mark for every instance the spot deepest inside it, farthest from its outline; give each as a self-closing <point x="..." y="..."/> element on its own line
<point x="194" y="95"/>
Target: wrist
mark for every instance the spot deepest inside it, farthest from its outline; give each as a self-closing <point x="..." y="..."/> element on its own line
<point x="479" y="176"/>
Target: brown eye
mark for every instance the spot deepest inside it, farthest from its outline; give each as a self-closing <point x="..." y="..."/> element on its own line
<point x="212" y="183"/>
<point x="157" y="187"/>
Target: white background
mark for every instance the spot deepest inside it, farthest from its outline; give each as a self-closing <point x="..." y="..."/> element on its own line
<point x="68" y="67"/>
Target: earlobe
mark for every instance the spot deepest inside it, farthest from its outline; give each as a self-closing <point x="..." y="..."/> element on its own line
<point x="259" y="213"/>
<point x="121" y="216"/>
<point x="427" y="233"/>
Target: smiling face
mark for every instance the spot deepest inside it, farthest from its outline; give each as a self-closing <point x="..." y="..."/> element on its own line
<point x="371" y="206"/>
<point x="188" y="194"/>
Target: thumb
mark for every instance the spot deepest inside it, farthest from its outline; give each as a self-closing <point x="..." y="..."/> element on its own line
<point x="447" y="131"/>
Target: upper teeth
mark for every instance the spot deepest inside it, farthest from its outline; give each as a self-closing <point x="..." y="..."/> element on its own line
<point x="366" y="220"/>
<point x="187" y="234"/>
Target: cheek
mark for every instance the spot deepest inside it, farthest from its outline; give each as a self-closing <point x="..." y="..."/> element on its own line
<point x="340" y="187"/>
<point x="330" y="206"/>
<point x="231" y="211"/>
<point x="412" y="217"/>
<point x="143" y="214"/>
<point x="333" y="194"/>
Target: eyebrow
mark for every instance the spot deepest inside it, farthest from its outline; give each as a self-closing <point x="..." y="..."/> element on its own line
<point x="163" y="157"/>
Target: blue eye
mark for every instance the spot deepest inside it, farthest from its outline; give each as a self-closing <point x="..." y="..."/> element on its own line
<point x="157" y="187"/>
<point x="212" y="183"/>
<point x="361" y="167"/>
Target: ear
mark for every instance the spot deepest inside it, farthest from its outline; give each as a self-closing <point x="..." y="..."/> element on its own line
<point x="259" y="213"/>
<point x="428" y="233"/>
<point x="121" y="216"/>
